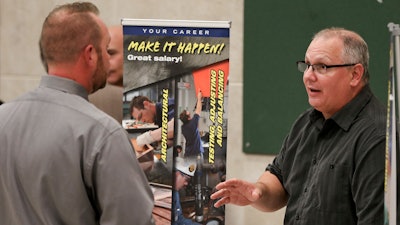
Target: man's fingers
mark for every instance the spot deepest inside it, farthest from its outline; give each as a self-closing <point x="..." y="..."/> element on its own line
<point x="232" y="183"/>
<point x="219" y="194"/>
<point x="221" y="202"/>
<point x="220" y="186"/>
<point x="222" y="196"/>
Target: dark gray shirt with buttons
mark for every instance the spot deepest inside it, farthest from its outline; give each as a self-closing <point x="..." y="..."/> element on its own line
<point x="333" y="170"/>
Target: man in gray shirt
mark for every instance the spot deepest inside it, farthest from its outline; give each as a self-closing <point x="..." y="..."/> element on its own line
<point x="63" y="161"/>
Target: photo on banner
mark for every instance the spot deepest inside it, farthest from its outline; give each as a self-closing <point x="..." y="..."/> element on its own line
<point x="176" y="82"/>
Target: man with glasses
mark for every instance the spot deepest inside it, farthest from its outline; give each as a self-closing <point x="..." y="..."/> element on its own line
<point x="184" y="171"/>
<point x="330" y="169"/>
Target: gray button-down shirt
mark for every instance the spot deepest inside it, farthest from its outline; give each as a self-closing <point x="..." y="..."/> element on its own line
<point x="63" y="161"/>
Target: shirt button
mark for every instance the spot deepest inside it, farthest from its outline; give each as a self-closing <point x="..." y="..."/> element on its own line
<point x="297" y="217"/>
<point x="314" y="161"/>
<point x="305" y="189"/>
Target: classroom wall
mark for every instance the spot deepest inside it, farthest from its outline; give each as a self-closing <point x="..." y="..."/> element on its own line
<point x="20" y="68"/>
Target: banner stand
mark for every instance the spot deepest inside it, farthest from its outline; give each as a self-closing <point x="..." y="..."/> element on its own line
<point x="176" y="91"/>
<point x="390" y="199"/>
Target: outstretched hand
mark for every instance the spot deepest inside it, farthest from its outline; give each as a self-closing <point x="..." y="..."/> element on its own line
<point x="236" y="192"/>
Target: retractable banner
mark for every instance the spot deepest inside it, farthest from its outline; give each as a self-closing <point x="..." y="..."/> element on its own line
<point x="176" y="75"/>
<point x="390" y="200"/>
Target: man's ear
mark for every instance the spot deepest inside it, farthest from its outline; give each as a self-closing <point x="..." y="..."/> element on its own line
<point x="90" y="55"/>
<point x="357" y="74"/>
<point x="146" y="104"/>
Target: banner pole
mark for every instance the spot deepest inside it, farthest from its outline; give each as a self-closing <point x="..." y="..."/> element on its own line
<point x="390" y="198"/>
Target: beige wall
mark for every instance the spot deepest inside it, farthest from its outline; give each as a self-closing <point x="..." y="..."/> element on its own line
<point x="20" y="67"/>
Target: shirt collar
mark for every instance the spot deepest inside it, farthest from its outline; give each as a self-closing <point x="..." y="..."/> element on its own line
<point x="345" y="117"/>
<point x="64" y="85"/>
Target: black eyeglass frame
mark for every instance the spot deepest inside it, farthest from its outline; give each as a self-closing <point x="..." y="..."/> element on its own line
<point x="323" y="65"/>
<point x="185" y="176"/>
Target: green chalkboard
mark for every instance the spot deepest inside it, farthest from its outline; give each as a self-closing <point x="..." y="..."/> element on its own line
<point x="276" y="35"/>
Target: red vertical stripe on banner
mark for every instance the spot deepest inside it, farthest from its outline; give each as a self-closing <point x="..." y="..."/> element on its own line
<point x="203" y="77"/>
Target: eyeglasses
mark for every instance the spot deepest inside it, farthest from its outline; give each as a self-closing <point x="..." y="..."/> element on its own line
<point x="302" y="66"/>
<point x="186" y="177"/>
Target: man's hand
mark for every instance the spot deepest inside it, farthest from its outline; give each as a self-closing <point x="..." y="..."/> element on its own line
<point x="236" y="192"/>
